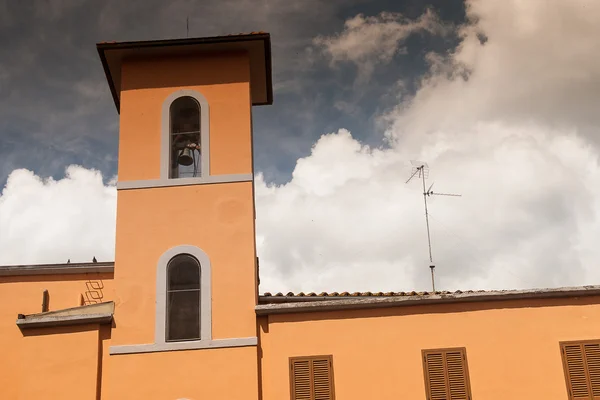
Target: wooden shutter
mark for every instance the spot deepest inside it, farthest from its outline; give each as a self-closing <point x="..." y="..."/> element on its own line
<point x="446" y="374"/>
<point x="581" y="362"/>
<point x="311" y="378"/>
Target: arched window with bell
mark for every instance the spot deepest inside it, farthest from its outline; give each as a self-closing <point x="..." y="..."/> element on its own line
<point x="186" y="146"/>
<point x="185" y="136"/>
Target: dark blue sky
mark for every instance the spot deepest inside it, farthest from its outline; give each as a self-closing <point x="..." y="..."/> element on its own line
<point x="56" y="110"/>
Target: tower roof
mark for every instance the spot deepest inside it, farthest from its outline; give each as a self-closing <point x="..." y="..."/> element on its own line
<point x="257" y="44"/>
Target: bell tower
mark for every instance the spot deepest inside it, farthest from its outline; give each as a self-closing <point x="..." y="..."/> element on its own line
<point x="185" y="259"/>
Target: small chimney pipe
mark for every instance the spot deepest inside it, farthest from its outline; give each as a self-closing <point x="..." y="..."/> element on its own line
<point x="45" y="300"/>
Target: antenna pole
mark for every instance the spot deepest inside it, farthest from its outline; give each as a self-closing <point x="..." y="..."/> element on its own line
<point x="421" y="168"/>
<point x="425" y="191"/>
<point x="426" y="216"/>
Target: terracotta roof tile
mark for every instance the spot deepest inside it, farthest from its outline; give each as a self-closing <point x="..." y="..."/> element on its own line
<point x="375" y="294"/>
<point x="280" y="304"/>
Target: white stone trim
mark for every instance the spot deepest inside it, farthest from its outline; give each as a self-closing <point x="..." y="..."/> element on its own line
<point x="204" y="132"/>
<point x="203" y="180"/>
<point x="189" y="345"/>
<point x="205" y="293"/>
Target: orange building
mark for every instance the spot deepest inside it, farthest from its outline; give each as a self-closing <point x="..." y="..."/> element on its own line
<point x="178" y="314"/>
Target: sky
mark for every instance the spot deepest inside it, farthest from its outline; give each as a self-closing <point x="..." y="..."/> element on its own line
<point x="500" y="98"/>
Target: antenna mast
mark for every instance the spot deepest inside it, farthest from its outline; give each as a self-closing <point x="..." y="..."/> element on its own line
<point x="421" y="169"/>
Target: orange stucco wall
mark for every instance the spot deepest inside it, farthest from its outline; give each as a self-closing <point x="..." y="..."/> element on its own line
<point x="53" y="363"/>
<point x="229" y="373"/>
<point x="59" y="364"/>
<point x="224" y="80"/>
<point x="512" y="347"/>
<point x="216" y="218"/>
<point x="219" y="220"/>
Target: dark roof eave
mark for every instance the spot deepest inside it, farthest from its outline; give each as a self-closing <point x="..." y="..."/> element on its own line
<point x="266" y="37"/>
<point x="57" y="269"/>
<point x="179" y="42"/>
<point x="109" y="78"/>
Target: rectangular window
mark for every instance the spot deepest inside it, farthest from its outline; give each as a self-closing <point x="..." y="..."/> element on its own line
<point x="311" y="378"/>
<point x="581" y="361"/>
<point x="446" y="374"/>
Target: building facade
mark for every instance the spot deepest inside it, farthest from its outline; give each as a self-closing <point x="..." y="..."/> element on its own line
<point x="178" y="314"/>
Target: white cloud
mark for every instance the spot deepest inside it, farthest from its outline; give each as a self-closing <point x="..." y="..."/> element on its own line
<point x="368" y="41"/>
<point x="511" y="124"/>
<point x="540" y="63"/>
<point x="45" y="221"/>
<point x="348" y="221"/>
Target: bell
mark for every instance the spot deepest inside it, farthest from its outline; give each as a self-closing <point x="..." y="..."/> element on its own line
<point x="185" y="157"/>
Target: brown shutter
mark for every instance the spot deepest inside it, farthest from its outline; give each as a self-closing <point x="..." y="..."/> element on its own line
<point x="581" y="362"/>
<point x="592" y="359"/>
<point x="311" y="378"/>
<point x="301" y="382"/>
<point x="446" y="374"/>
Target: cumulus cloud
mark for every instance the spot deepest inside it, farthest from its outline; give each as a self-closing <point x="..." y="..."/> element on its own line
<point x="538" y="62"/>
<point x="47" y="220"/>
<point x="368" y="41"/>
<point x="348" y="221"/>
<point x="509" y="120"/>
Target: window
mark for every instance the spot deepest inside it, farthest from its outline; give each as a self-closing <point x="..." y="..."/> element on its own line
<point x="581" y="361"/>
<point x="311" y="378"/>
<point x="185" y="138"/>
<point x="446" y="374"/>
<point x="183" y="298"/>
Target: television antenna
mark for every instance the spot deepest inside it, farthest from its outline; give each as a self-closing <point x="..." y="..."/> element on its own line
<point x="420" y="170"/>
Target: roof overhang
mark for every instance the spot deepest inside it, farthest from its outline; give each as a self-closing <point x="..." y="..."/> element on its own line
<point x="101" y="313"/>
<point x="57" y="269"/>
<point x="320" y="303"/>
<point x="257" y="45"/>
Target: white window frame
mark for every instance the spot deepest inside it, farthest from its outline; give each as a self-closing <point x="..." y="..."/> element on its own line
<point x="165" y="152"/>
<point x="205" y="294"/>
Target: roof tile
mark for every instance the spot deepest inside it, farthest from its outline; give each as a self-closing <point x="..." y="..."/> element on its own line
<point x="375" y="294"/>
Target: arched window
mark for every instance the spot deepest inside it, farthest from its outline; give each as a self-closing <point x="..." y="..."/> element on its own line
<point x="183" y="299"/>
<point x="185" y="138"/>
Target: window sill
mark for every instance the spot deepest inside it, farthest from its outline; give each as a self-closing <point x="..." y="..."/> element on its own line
<point x="201" y="180"/>
<point x="191" y="345"/>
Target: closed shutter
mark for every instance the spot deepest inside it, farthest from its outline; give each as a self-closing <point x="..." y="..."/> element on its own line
<point x="581" y="361"/>
<point x="592" y="360"/>
<point x="446" y="374"/>
<point x="311" y="378"/>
